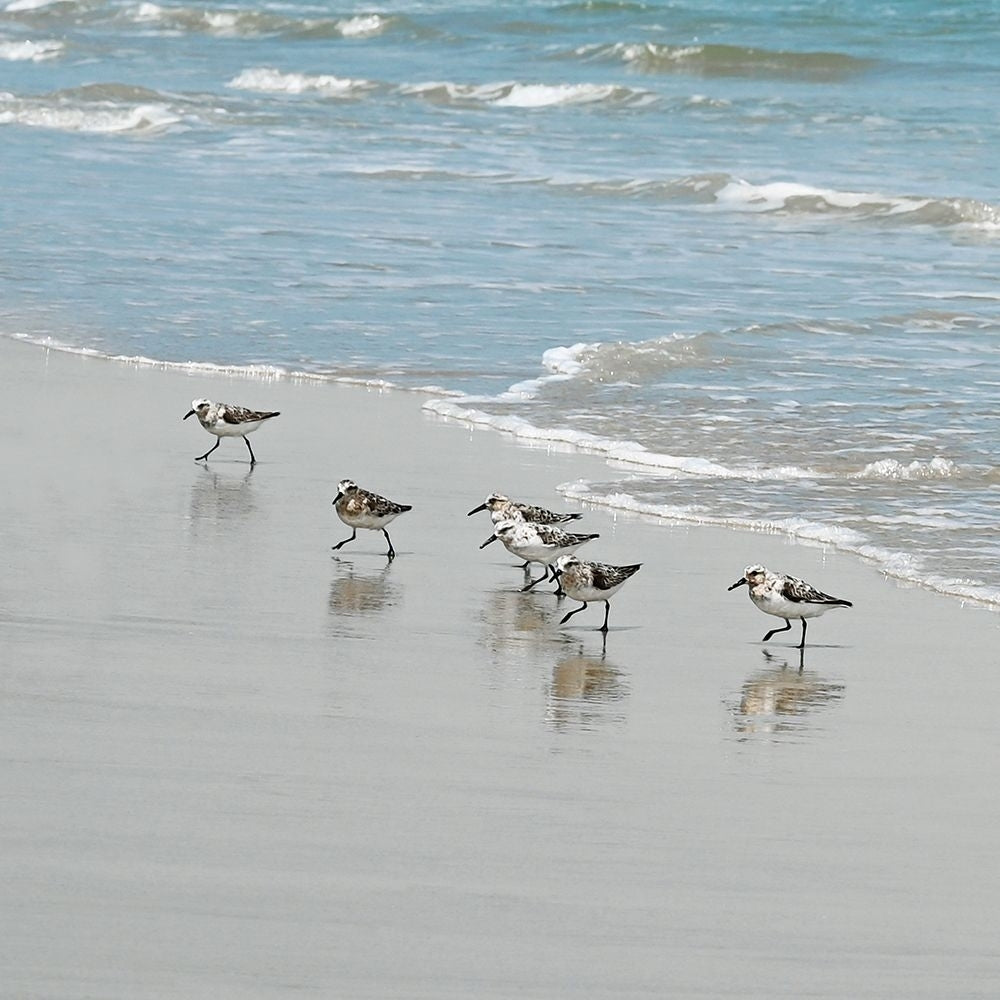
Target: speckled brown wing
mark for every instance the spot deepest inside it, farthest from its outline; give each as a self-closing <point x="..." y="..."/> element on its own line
<point x="539" y="515"/>
<point x="552" y="535"/>
<point x="606" y="577"/>
<point x="799" y="592"/>
<point x="241" y="415"/>
<point x="380" y="506"/>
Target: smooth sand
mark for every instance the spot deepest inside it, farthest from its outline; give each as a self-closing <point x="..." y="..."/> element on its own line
<point x="237" y="764"/>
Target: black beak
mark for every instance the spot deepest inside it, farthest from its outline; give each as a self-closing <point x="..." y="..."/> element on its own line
<point x="739" y="583"/>
<point x="190" y="413"/>
<point x="489" y="541"/>
<point x="336" y="499"/>
<point x="482" y="506"/>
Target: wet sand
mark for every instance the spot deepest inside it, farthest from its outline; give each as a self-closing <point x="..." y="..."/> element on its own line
<point x="238" y="764"/>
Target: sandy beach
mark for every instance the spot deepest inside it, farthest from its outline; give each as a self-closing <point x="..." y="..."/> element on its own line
<point x="239" y="764"/>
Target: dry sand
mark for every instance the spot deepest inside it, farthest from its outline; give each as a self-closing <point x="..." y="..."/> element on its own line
<point x="238" y="764"/>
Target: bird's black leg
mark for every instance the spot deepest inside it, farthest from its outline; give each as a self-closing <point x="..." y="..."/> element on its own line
<point x="354" y="534"/>
<point x="559" y="592"/>
<point x="775" y="631"/>
<point x="204" y="458"/>
<point x="392" y="552"/>
<point x="802" y="644"/>
<point x="607" y="611"/>
<point x="253" y="458"/>
<point x="533" y="583"/>
<point x="570" y="614"/>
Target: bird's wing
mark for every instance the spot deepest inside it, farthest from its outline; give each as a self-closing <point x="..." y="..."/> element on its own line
<point x="800" y="592"/>
<point x="241" y="415"/>
<point x="606" y="577"/>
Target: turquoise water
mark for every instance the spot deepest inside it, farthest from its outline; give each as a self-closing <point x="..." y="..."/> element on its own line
<point x="749" y="251"/>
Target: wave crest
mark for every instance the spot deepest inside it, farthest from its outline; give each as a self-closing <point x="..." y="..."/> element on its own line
<point x="731" y="60"/>
<point x="890" y="468"/>
<point x="254" y="23"/>
<point x="30" y="51"/>
<point x="625" y="362"/>
<point x="900" y="565"/>
<point x="512" y="94"/>
<point x="266" y="80"/>
<point x="80" y="112"/>
<point x="792" y="198"/>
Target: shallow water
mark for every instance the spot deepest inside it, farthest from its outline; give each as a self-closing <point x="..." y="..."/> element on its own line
<point x="748" y="249"/>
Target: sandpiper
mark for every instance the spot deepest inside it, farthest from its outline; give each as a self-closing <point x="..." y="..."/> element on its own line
<point x="225" y="420"/>
<point x="786" y="597"/>
<point x="502" y="508"/>
<point x="540" y="543"/>
<point x="358" y="508"/>
<point x="591" y="581"/>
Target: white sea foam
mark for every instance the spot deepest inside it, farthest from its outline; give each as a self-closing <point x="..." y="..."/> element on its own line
<point x="890" y="468"/>
<point x="362" y="26"/>
<point x="512" y="94"/>
<point x="29" y="51"/>
<point x="792" y="197"/>
<point x="22" y="5"/>
<point x="567" y="360"/>
<point x="538" y="95"/>
<point x="781" y="195"/>
<point x="262" y="372"/>
<point x="222" y="21"/>
<point x="264" y="79"/>
<point x="899" y="565"/>
<point x="147" y="12"/>
<point x="622" y="453"/>
<point x="141" y="119"/>
<point x="941" y="522"/>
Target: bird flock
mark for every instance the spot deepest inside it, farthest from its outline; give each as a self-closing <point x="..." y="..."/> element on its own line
<point x="531" y="534"/>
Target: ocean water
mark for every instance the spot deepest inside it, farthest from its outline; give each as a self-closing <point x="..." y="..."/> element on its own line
<point x="748" y="251"/>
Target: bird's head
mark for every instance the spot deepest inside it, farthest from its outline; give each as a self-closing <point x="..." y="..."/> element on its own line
<point x="752" y="575"/>
<point x="502" y="530"/>
<point x="491" y="503"/>
<point x="564" y="563"/>
<point x="199" y="406"/>
<point x="344" y="487"/>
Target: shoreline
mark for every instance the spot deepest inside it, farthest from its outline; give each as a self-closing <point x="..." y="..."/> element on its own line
<point x="238" y="763"/>
<point x="440" y="404"/>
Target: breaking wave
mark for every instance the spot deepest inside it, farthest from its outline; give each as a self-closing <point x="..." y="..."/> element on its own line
<point x="526" y="95"/>
<point x="899" y="565"/>
<point x="31" y="51"/>
<point x="252" y="23"/>
<point x="106" y="109"/>
<point x="726" y="191"/>
<point x="272" y="81"/>
<point x="730" y="60"/>
<point x="890" y="468"/>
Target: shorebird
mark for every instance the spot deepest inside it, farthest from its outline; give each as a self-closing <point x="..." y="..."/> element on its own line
<point x="786" y="597"/>
<point x="591" y="581"/>
<point x="358" y="508"/>
<point x="540" y="543"/>
<point x="224" y="420"/>
<point x="502" y="508"/>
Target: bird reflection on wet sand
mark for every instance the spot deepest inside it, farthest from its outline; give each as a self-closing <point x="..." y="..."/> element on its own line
<point x="781" y="697"/>
<point x="354" y="593"/>
<point x="221" y="496"/>
<point x="514" y="622"/>
<point x="585" y="690"/>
